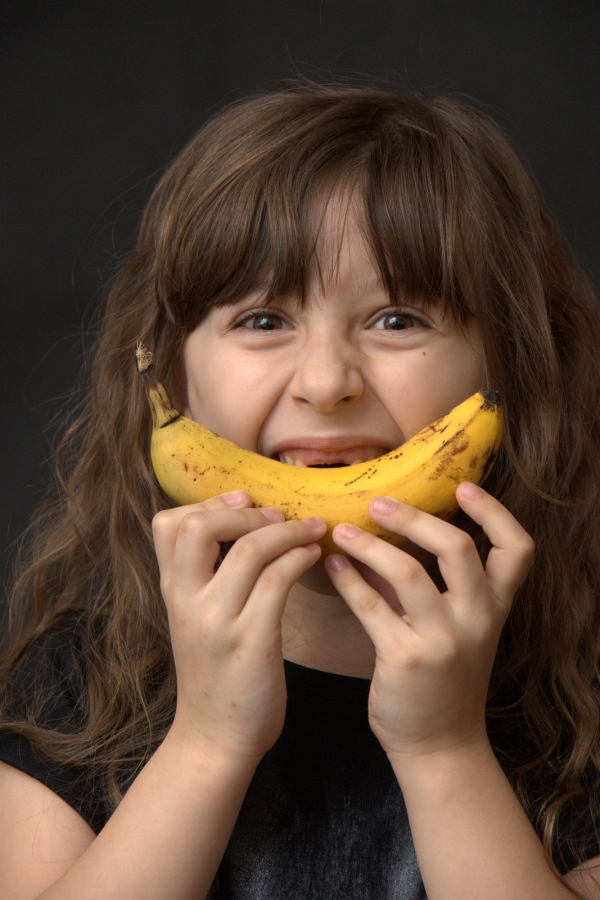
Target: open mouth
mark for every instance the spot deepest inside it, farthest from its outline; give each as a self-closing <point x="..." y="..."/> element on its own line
<point x="330" y="459"/>
<point x="327" y="465"/>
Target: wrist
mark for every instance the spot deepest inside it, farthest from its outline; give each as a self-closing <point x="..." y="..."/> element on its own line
<point x="198" y="752"/>
<point x="459" y="759"/>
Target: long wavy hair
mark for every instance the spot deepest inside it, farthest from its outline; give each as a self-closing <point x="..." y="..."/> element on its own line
<point x="452" y="216"/>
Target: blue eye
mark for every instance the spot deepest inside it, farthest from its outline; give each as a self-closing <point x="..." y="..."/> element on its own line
<point x="396" y="321"/>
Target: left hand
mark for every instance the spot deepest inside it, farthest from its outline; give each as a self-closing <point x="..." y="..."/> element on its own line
<point x="433" y="663"/>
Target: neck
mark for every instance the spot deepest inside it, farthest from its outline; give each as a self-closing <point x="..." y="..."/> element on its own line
<point x="320" y="630"/>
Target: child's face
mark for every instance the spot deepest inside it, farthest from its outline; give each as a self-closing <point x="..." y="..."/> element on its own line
<point x="346" y="378"/>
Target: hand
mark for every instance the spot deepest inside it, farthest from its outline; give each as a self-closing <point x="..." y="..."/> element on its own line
<point x="226" y="626"/>
<point x="434" y="661"/>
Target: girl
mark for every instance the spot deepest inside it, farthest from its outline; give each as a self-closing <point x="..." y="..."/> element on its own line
<point x="322" y="272"/>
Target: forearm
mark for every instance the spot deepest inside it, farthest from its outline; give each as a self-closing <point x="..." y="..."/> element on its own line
<point x="471" y="834"/>
<point x="167" y="837"/>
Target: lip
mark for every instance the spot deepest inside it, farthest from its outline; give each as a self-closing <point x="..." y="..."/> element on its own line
<point x="334" y="443"/>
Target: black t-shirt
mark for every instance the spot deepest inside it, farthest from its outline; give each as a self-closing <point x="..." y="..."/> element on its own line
<point x="323" y="818"/>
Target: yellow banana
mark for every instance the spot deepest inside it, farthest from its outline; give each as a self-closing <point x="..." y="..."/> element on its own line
<point x="192" y="464"/>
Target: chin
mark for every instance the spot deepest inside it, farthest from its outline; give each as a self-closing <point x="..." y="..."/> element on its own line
<point x="316" y="579"/>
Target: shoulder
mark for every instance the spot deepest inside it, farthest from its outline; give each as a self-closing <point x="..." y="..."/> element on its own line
<point x="44" y="720"/>
<point x="586" y="878"/>
<point x="41" y="836"/>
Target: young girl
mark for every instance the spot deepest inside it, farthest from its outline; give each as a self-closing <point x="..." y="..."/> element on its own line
<point x="195" y="703"/>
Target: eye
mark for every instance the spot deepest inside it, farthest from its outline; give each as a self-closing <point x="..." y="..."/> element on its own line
<point x="261" y="320"/>
<point x="397" y="320"/>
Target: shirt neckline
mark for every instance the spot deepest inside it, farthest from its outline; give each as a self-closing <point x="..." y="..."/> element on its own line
<point x="326" y="686"/>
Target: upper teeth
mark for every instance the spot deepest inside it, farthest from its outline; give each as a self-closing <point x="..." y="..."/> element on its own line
<point x="283" y="457"/>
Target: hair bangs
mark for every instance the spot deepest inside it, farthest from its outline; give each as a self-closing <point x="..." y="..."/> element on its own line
<point x="278" y="247"/>
<point x="265" y="234"/>
<point x="413" y="213"/>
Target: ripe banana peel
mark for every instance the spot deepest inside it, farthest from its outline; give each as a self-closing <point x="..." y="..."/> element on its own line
<point x="193" y="464"/>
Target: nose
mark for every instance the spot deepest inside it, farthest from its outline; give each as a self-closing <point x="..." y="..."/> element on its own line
<point x="327" y="374"/>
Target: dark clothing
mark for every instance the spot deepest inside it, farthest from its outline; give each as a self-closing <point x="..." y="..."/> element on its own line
<point x="323" y="818"/>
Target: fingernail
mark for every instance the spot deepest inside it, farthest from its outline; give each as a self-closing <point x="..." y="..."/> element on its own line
<point x="235" y="498"/>
<point x="336" y="562"/>
<point x="384" y="505"/>
<point x="313" y="521"/>
<point x="272" y="514"/>
<point x="346" y="531"/>
<point x="470" y="490"/>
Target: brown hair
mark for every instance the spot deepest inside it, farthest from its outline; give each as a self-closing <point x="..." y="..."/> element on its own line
<point x="451" y="215"/>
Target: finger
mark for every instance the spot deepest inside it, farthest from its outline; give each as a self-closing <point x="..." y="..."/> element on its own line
<point x="512" y="552"/>
<point x="265" y="604"/>
<point x="457" y="555"/>
<point x="242" y="566"/>
<point x="459" y="561"/>
<point x="196" y="549"/>
<point x="415" y="589"/>
<point x="376" y="616"/>
<point x="165" y="523"/>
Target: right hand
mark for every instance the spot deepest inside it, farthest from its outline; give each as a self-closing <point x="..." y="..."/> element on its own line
<point x="226" y="626"/>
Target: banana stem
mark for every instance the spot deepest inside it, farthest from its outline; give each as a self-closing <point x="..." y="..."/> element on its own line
<point x="162" y="411"/>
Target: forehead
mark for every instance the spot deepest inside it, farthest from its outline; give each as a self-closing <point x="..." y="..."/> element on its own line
<point x="339" y="251"/>
<point x="340" y="231"/>
<point x="342" y="255"/>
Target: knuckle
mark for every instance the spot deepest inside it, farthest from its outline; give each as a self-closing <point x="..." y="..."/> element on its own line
<point x="298" y="554"/>
<point x="272" y="578"/>
<point x="462" y="543"/>
<point x="528" y="546"/>
<point x="246" y="548"/>
<point x="410" y="513"/>
<point x="486" y="632"/>
<point x="412" y="659"/>
<point x="210" y="619"/>
<point x="410" y="573"/>
<point x="162" y="522"/>
<point x="446" y="651"/>
<point x="193" y="524"/>
<point x="369" y="602"/>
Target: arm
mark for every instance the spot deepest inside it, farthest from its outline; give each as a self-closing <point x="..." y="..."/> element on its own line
<point x="428" y="696"/>
<point x="166" y="839"/>
<point x="471" y="835"/>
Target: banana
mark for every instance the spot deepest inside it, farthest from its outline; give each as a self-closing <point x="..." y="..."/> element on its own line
<point x="192" y="464"/>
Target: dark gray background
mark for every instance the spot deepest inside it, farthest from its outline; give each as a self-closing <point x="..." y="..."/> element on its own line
<point x="98" y="97"/>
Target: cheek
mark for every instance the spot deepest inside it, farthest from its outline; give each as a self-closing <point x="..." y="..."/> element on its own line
<point x="428" y="384"/>
<point x="411" y="391"/>
<point x="232" y="396"/>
